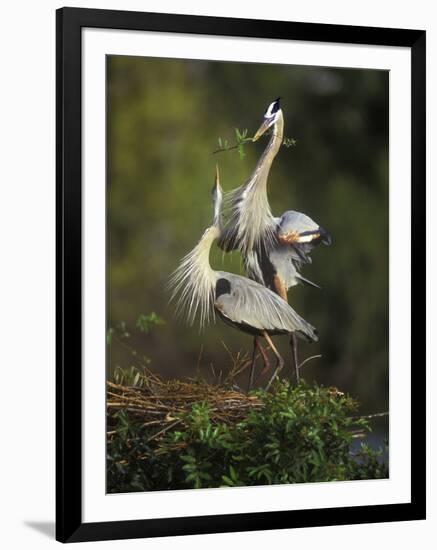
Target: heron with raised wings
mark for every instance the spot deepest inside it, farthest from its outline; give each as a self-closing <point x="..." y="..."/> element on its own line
<point x="240" y="302"/>
<point x="273" y="249"/>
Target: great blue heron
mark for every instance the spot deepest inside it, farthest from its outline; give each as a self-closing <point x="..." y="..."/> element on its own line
<point x="273" y="249"/>
<point x="240" y="302"/>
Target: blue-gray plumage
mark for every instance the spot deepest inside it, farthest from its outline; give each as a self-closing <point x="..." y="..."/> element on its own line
<point x="255" y="309"/>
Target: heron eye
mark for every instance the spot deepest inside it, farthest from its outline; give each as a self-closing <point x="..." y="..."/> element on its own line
<point x="275" y="108"/>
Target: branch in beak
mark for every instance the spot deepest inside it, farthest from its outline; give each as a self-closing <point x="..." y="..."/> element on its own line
<point x="262" y="129"/>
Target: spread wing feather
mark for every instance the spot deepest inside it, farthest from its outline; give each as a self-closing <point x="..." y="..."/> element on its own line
<point x="308" y="231"/>
<point x="292" y="221"/>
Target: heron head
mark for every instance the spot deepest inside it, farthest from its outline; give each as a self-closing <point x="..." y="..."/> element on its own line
<point x="270" y="117"/>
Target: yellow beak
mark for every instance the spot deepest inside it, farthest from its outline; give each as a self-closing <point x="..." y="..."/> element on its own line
<point x="262" y="129"/>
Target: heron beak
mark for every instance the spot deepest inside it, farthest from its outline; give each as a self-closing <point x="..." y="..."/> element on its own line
<point x="262" y="129"/>
<point x="217" y="175"/>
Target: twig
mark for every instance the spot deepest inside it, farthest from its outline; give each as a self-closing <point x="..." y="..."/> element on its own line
<point x="198" y="361"/>
<point x="140" y="363"/>
<point x="308" y="359"/>
<point x="164" y="430"/>
<point x="228" y="351"/>
<point x="213" y="371"/>
<point x="242" y="142"/>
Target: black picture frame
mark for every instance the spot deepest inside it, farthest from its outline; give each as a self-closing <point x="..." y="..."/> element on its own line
<point x="69" y="24"/>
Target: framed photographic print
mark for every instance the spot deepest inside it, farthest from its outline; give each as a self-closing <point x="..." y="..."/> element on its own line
<point x="241" y="274"/>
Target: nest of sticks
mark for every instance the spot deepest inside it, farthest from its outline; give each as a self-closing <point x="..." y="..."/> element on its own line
<point x="163" y="404"/>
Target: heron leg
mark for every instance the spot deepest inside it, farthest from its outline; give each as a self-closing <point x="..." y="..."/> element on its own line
<point x="252" y="365"/>
<point x="265" y="359"/>
<point x="280" y="361"/>
<point x="293" y="344"/>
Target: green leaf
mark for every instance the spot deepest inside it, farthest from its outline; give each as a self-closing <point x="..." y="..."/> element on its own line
<point x="146" y="322"/>
<point x="233" y="473"/>
<point x="228" y="481"/>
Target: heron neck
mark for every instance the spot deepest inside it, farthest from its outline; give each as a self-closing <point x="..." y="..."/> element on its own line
<point x="217" y="220"/>
<point x="203" y="249"/>
<point x="194" y="280"/>
<point x="264" y="164"/>
<point x="256" y="222"/>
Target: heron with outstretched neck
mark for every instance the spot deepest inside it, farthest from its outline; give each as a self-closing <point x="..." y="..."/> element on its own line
<point x="239" y="301"/>
<point x="273" y="249"/>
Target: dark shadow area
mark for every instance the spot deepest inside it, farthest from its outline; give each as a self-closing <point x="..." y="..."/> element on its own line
<point x="46" y="528"/>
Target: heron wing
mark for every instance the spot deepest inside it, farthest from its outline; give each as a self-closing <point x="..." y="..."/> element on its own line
<point x="307" y="231"/>
<point x="302" y="233"/>
<point x="249" y="303"/>
<point x="292" y="221"/>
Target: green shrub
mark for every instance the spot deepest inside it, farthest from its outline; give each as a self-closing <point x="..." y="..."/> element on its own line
<point x="295" y="434"/>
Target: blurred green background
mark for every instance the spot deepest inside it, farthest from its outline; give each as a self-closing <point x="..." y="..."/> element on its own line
<point x="164" y="119"/>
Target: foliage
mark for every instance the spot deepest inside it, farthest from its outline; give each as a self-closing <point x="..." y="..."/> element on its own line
<point x="293" y="434"/>
<point x="146" y="322"/>
<point x="241" y="140"/>
<point x="121" y="335"/>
